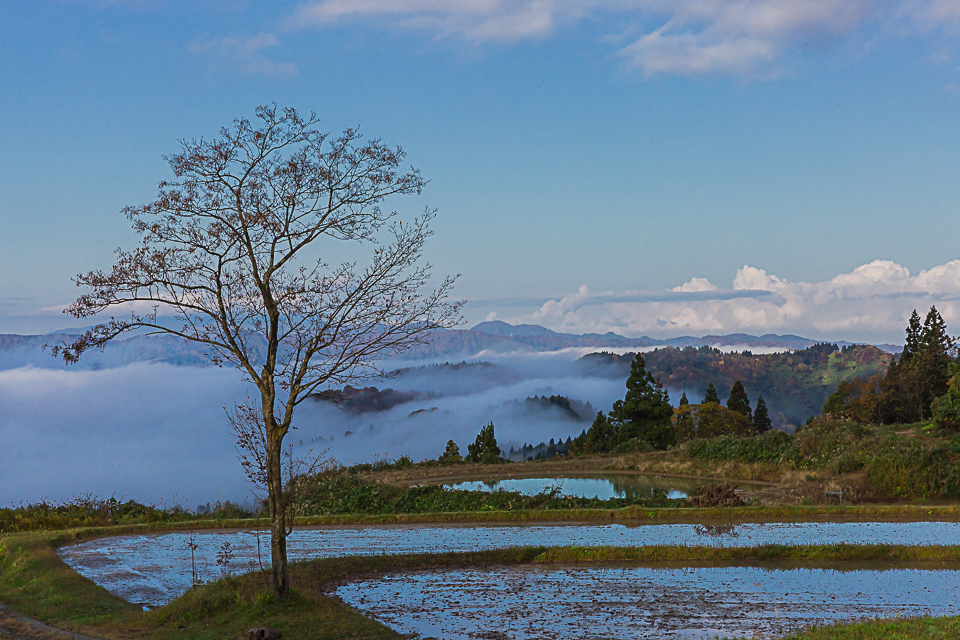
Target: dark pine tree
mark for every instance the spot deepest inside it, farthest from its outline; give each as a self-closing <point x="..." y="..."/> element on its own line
<point x="484" y="449"/>
<point x="912" y="343"/>
<point x="761" y="418"/>
<point x="711" y="395"/>
<point x="920" y="375"/>
<point x="935" y="355"/>
<point x="451" y="453"/>
<point x="645" y="412"/>
<point x="738" y="400"/>
<point x="683" y="400"/>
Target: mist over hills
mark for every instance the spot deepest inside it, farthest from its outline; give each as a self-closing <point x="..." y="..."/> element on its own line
<point x="491" y="337"/>
<point x="500" y="337"/>
<point x="100" y="421"/>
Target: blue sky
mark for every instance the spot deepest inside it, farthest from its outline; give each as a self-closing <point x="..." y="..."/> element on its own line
<point x="585" y="157"/>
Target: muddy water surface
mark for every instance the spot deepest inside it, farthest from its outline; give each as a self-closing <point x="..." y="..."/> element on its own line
<point x="639" y="602"/>
<point x="155" y="569"/>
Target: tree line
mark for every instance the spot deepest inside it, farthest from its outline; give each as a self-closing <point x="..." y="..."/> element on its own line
<point x="645" y="420"/>
<point x="922" y="384"/>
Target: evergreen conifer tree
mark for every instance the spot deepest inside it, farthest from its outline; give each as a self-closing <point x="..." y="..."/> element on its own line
<point x="912" y="343"/>
<point x="761" y="418"/>
<point x="683" y="400"/>
<point x="645" y="412"/>
<point x="738" y="400"/>
<point x="935" y="355"/>
<point x="451" y="453"/>
<point x="711" y="395"/>
<point x="484" y="449"/>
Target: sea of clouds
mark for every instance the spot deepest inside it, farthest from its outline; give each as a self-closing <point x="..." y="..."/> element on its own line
<point x="158" y="433"/>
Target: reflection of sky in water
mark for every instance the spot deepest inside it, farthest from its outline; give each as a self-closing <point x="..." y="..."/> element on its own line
<point x="155" y="569"/>
<point x="629" y="602"/>
<point x="603" y="488"/>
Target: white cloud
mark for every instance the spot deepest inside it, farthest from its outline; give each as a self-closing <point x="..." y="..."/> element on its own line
<point x="753" y="279"/>
<point x="244" y="54"/>
<point x="696" y="285"/>
<point x="870" y="303"/>
<point x="745" y="38"/>
<point x="475" y="20"/>
<point x="740" y="37"/>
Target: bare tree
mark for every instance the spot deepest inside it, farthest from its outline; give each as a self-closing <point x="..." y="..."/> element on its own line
<point x="230" y="248"/>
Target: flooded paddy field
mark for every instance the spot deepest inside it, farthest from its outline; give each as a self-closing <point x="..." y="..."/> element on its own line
<point x="639" y="602"/>
<point x="603" y="486"/>
<point x="154" y="569"/>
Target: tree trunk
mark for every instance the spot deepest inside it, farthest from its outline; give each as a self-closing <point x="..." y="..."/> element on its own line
<point x="278" y="509"/>
<point x="278" y="521"/>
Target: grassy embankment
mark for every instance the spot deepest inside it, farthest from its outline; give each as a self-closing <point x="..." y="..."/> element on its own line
<point x="34" y="581"/>
<point x="903" y="463"/>
<point x="869" y="464"/>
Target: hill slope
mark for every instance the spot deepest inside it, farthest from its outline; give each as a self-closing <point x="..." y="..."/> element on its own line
<point x="794" y="385"/>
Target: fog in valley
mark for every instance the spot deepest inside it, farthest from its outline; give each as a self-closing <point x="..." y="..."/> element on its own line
<point x="158" y="433"/>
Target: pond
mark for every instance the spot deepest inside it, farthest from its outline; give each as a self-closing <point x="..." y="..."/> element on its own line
<point x="604" y="486"/>
<point x="155" y="569"/>
<point x="633" y="602"/>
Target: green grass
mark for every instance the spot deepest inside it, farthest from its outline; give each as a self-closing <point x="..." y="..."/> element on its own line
<point x="818" y="554"/>
<point x="90" y="511"/>
<point x="895" y="462"/>
<point x="36" y="582"/>
<point x="925" y="628"/>
<point x="339" y="492"/>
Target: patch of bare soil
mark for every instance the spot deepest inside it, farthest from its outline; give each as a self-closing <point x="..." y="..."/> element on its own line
<point x="14" y="626"/>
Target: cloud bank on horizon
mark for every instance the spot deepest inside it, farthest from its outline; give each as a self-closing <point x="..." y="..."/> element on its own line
<point x="870" y="303"/>
<point x="746" y="38"/>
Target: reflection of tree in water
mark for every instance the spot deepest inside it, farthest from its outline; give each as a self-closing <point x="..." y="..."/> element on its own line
<point x="716" y="530"/>
<point x="633" y="487"/>
<point x="490" y="484"/>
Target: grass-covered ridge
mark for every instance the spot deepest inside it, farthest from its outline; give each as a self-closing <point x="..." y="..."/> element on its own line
<point x="868" y="463"/>
<point x="91" y="511"/>
<point x="337" y="493"/>
<point x="34" y="581"/>
<point x="794" y="384"/>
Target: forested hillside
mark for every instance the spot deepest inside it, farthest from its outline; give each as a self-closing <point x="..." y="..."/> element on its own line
<point x="793" y="384"/>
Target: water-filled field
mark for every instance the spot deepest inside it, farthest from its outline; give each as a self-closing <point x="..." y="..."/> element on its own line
<point x="641" y="602"/>
<point x="602" y="486"/>
<point x="154" y="569"/>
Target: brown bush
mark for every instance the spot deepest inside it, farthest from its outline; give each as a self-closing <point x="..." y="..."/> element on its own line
<point x="716" y="495"/>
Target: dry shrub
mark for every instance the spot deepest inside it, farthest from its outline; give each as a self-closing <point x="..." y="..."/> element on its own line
<point x="716" y="495"/>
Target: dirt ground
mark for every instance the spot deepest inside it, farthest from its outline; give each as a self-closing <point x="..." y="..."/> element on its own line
<point x="16" y="627"/>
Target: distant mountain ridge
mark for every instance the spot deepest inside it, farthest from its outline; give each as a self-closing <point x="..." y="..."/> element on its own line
<point x="494" y="336"/>
<point x="502" y="337"/>
<point x="500" y="328"/>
